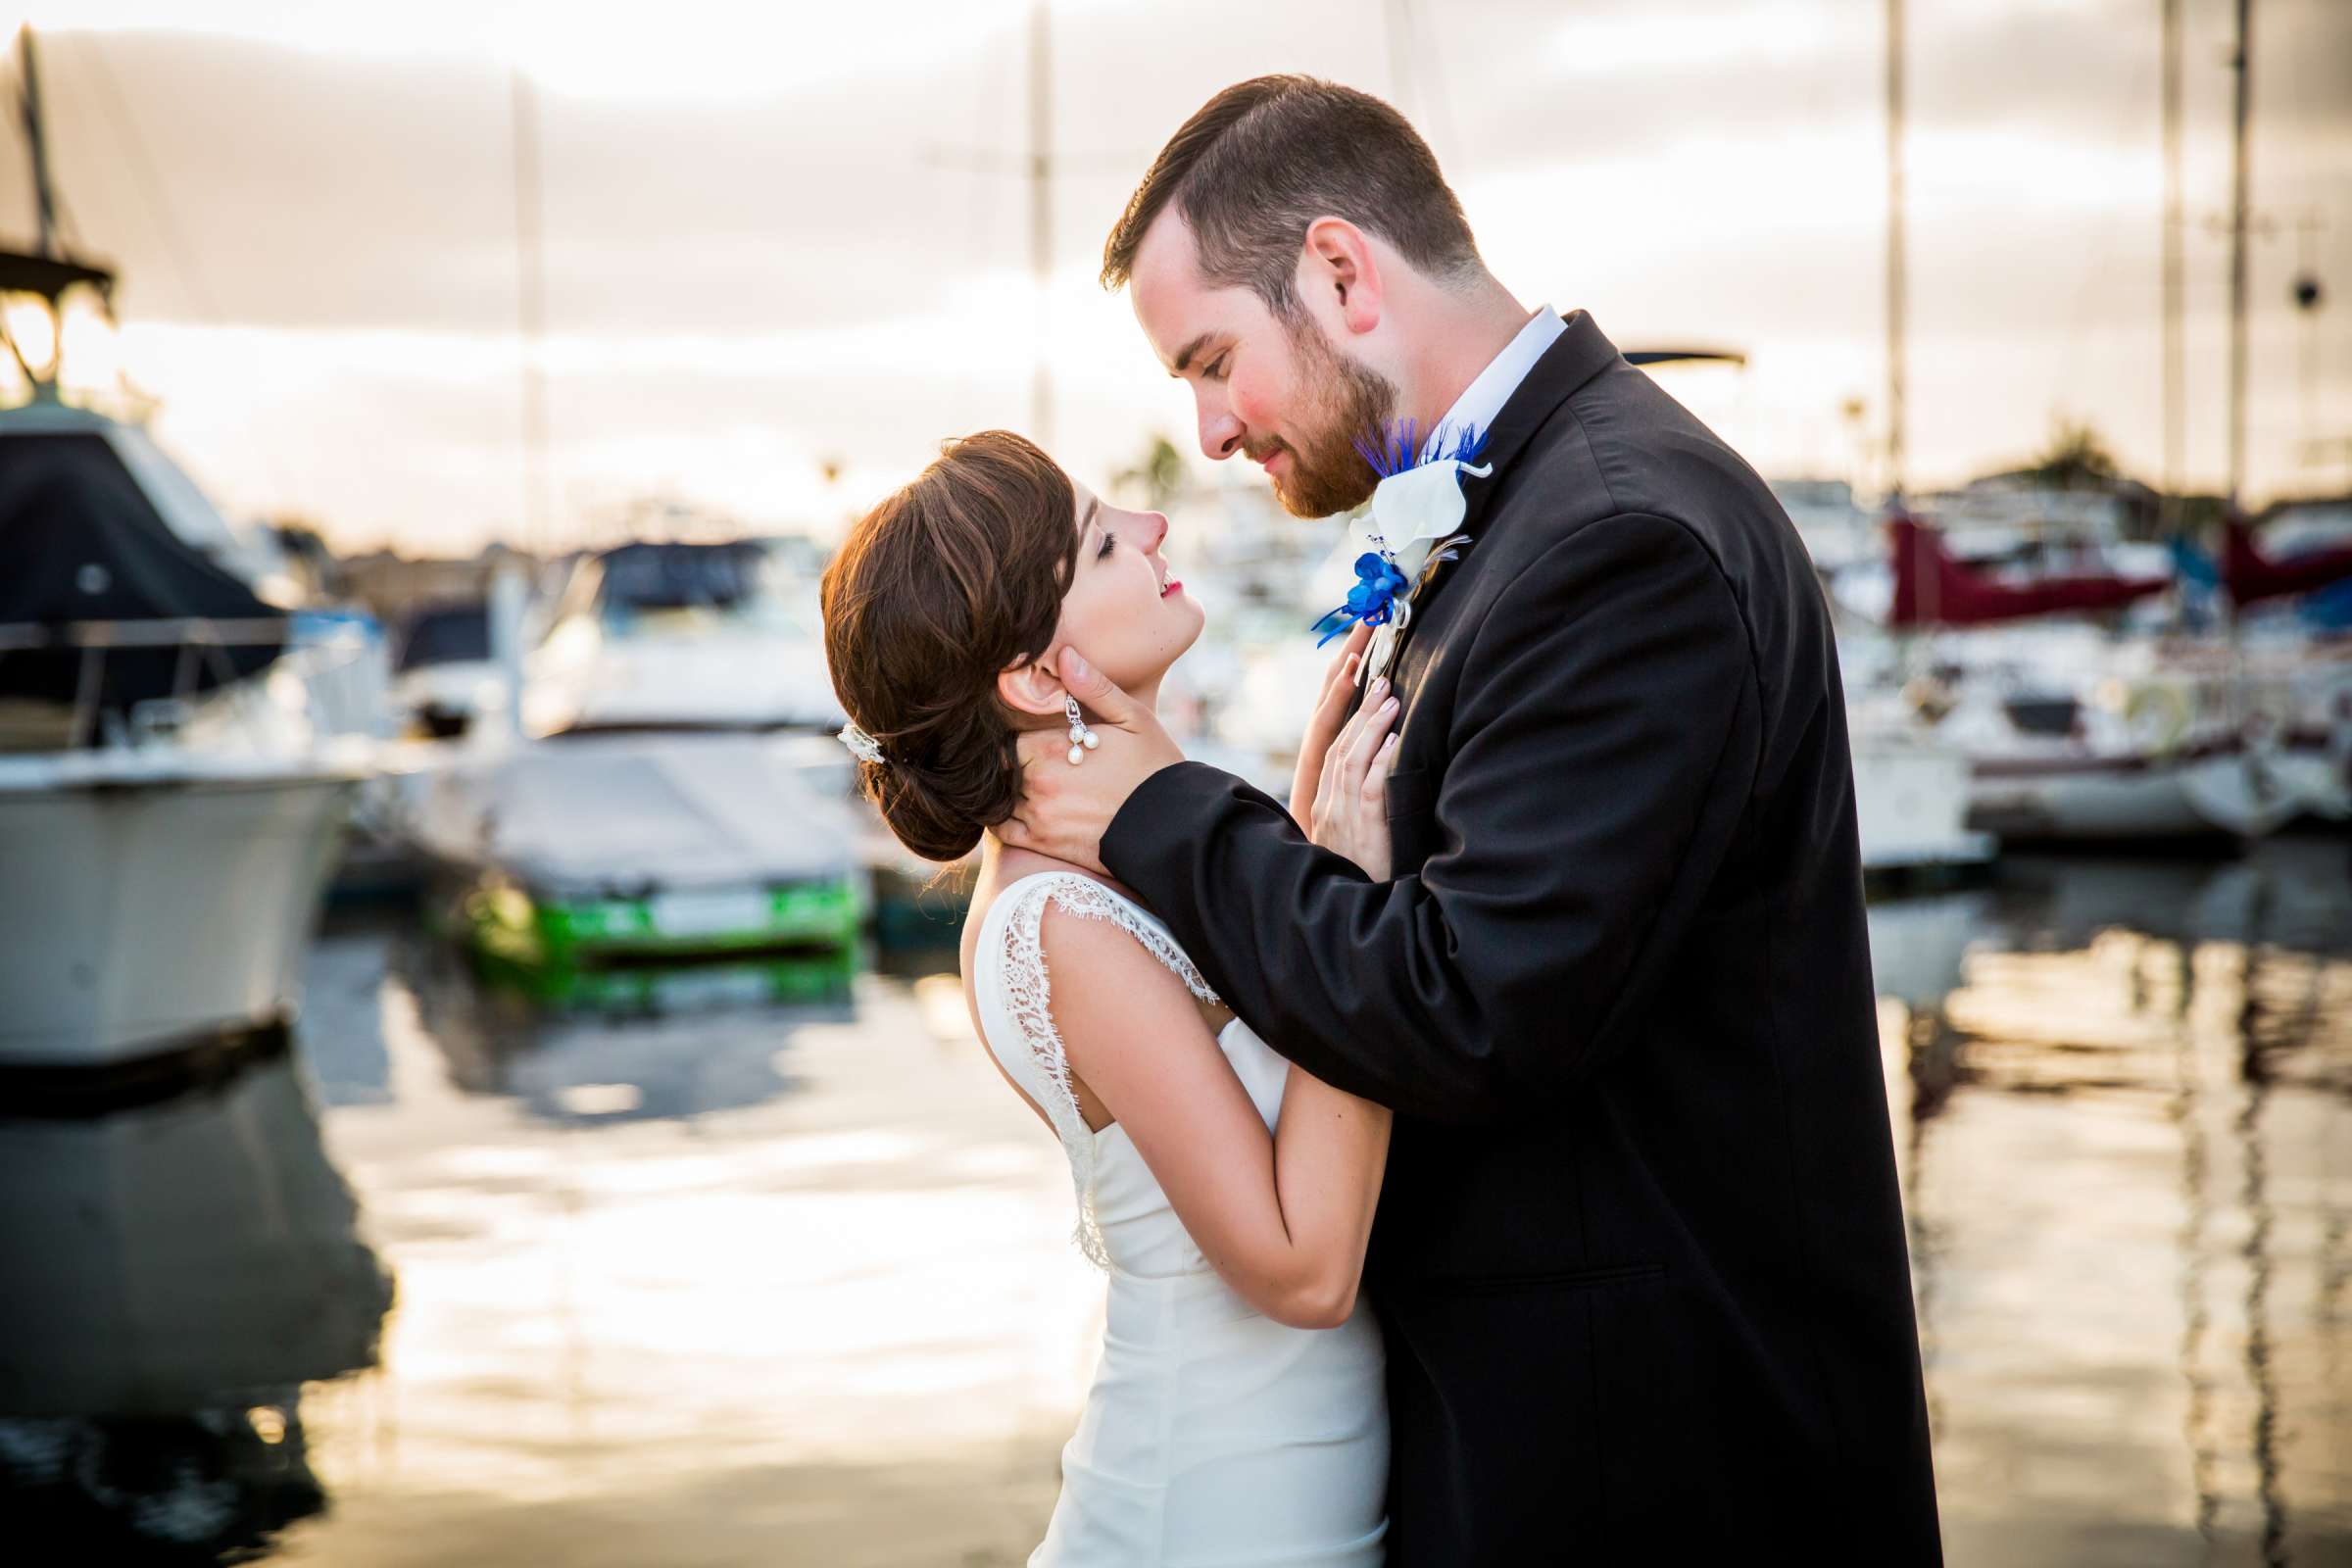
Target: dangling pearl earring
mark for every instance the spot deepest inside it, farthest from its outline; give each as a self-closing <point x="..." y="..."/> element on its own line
<point x="1082" y="739"/>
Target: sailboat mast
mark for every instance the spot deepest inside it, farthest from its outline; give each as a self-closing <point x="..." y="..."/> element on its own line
<point x="530" y="311"/>
<point x="1897" y="301"/>
<point x="2243" y="64"/>
<point x="2175" y="353"/>
<point x="44" y="195"/>
<point x="1041" y="217"/>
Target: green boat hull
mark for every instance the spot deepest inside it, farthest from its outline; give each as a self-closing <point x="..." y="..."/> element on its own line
<point x="683" y="986"/>
<point x="505" y="922"/>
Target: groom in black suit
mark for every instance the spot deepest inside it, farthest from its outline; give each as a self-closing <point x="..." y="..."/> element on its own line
<point x="1639" y="1259"/>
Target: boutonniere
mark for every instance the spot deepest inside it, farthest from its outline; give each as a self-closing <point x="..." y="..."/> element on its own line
<point x="1416" y="510"/>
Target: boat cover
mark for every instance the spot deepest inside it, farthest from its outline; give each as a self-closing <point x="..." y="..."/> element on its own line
<point x="1931" y="588"/>
<point x="630" y="816"/>
<point x="2252" y="576"/>
<point x="80" y="540"/>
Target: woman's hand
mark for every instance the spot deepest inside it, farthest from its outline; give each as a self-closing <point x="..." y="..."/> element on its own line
<point x="1323" y="726"/>
<point x="1351" y="798"/>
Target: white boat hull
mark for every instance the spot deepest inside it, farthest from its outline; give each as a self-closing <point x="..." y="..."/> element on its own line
<point x="1911" y="802"/>
<point x="143" y="908"/>
<point x="2233" y="793"/>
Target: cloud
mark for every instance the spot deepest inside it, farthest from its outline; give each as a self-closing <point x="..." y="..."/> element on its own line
<point x="693" y="51"/>
<point x="763" y="250"/>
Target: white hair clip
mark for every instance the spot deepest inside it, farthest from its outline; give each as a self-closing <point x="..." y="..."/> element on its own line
<point x="862" y="746"/>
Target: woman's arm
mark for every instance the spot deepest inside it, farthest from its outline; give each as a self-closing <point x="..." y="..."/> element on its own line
<point x="1283" y="1217"/>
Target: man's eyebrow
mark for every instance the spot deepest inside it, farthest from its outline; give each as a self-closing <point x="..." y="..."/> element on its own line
<point x="1184" y="355"/>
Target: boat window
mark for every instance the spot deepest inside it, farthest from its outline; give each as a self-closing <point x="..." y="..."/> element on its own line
<point x="461" y="633"/>
<point x="679" y="584"/>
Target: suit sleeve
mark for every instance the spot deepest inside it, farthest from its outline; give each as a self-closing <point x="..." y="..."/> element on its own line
<point x="1603" y="749"/>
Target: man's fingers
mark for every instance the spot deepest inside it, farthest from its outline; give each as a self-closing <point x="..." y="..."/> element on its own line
<point x="1094" y="689"/>
<point x="1040" y="746"/>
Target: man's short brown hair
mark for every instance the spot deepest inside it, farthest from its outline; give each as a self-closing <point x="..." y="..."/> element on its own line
<point x="1267" y="157"/>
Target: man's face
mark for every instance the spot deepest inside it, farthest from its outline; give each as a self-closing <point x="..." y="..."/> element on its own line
<point x="1281" y="393"/>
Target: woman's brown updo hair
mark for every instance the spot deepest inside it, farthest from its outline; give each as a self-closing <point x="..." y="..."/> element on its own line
<point x="950" y="580"/>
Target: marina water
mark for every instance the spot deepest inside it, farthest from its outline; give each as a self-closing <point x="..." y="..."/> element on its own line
<point x="759" y="1263"/>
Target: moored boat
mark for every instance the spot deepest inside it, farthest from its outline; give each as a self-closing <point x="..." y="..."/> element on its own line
<point x="591" y="850"/>
<point x="167" y="808"/>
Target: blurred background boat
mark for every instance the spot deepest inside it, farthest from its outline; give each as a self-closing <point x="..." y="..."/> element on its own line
<point x="677" y="635"/>
<point x="443" y="677"/>
<point x="594" y="849"/>
<point x="159" y="747"/>
<point x="2084" y="719"/>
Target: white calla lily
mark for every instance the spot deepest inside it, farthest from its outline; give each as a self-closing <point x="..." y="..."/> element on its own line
<point x="1413" y="509"/>
<point x="1422" y="502"/>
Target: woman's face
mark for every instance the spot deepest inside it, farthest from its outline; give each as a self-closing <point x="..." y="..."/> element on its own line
<point x="1123" y="612"/>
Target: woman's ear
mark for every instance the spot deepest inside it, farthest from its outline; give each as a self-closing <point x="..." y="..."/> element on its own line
<point x="1031" y="688"/>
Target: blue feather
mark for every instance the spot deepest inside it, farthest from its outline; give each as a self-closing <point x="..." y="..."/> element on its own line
<point x="1391" y="452"/>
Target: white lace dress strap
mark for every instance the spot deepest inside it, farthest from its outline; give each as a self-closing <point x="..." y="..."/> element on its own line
<point x="1035" y="1059"/>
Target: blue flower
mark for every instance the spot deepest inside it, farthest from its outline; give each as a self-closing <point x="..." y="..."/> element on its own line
<point x="1372" y="600"/>
<point x="1395" y="451"/>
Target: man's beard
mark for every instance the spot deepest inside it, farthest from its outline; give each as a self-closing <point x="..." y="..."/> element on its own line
<point x="1349" y="401"/>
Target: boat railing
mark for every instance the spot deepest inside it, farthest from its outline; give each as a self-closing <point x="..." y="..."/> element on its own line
<point x="202" y="643"/>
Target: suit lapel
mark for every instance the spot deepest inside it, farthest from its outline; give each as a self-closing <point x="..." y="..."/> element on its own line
<point x="1576" y="355"/>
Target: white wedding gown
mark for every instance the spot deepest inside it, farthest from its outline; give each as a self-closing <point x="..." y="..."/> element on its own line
<point x="1212" y="1435"/>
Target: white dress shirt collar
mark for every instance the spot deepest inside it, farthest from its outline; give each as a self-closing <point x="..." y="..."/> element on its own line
<point x="1484" y="398"/>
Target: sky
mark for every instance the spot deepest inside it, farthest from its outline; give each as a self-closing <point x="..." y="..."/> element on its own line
<point x="787" y="246"/>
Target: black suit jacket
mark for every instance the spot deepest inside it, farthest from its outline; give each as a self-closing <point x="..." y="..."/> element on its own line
<point x="1639" y="1257"/>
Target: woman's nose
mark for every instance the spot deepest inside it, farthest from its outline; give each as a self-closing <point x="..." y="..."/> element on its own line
<point x="1157" y="522"/>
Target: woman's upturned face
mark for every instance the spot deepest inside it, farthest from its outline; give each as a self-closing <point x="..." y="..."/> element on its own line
<point x="1123" y="611"/>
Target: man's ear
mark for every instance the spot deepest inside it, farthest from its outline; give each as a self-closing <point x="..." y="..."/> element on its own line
<point x="1031" y="688"/>
<point x="1338" y="267"/>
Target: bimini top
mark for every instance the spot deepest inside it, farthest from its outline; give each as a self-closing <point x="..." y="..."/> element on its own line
<point x="83" y="538"/>
<point x="50" y="276"/>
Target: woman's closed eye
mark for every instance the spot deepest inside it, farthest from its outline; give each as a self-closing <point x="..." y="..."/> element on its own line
<point x="1103" y="550"/>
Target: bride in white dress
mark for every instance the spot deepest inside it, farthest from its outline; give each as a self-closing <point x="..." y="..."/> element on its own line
<point x="1237" y="1414"/>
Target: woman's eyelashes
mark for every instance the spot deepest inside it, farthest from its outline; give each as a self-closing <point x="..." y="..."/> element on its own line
<point x="1103" y="550"/>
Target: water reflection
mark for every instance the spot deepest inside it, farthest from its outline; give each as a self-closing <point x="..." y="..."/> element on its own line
<point x="2121" y="1116"/>
<point x="2196" y="1208"/>
<point x="174" y="1275"/>
<point x="761" y="1263"/>
<point x="742" y="1262"/>
<point x="639" y="1042"/>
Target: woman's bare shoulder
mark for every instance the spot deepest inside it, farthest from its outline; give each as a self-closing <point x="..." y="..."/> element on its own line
<point x="1014" y="865"/>
<point x="1001" y="871"/>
